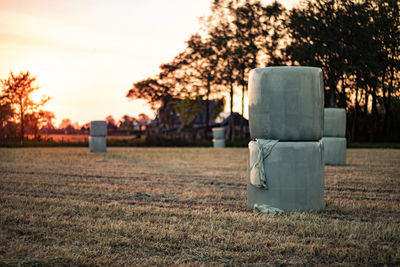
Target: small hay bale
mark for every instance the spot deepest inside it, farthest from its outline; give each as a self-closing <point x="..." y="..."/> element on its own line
<point x="97" y="144"/>
<point x="334" y="150"/>
<point x="98" y="128"/>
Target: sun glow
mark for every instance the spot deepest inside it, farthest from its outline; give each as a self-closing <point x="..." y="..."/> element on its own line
<point x="86" y="56"/>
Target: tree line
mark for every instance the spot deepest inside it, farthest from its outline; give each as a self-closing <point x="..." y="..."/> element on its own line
<point x="356" y="43"/>
<point x="126" y="125"/>
<point x="20" y="115"/>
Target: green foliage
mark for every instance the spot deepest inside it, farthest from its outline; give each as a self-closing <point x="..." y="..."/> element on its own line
<point x="220" y="103"/>
<point x="188" y="109"/>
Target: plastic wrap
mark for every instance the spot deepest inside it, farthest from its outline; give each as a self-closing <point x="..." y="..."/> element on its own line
<point x="334" y="150"/>
<point x="334" y="122"/>
<point x="219" y="143"/>
<point x="218" y="133"/>
<point x="295" y="177"/>
<point x="286" y="103"/>
<point x="97" y="144"/>
<point x="98" y="128"/>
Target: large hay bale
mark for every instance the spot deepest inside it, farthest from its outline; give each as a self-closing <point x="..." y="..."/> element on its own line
<point x="294" y="174"/>
<point x="334" y="122"/>
<point x="98" y="128"/>
<point x="334" y="150"/>
<point x="286" y="103"/>
<point x="97" y="144"/>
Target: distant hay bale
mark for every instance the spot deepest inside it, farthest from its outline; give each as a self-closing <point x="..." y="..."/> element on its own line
<point x="97" y="144"/>
<point x="334" y="122"/>
<point x="218" y="133"/>
<point x="286" y="103"/>
<point x="219" y="143"/>
<point x="98" y="128"/>
<point x="334" y="150"/>
<point x="294" y="174"/>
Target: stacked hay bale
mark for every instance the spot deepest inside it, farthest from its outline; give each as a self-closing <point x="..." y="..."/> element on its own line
<point x="286" y="168"/>
<point x="97" y="139"/>
<point x="334" y="139"/>
<point x="219" y="137"/>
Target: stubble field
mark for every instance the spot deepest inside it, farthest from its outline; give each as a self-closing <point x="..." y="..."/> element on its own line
<point x="174" y="206"/>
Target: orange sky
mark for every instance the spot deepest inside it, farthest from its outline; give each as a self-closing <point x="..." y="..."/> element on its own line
<point x="88" y="53"/>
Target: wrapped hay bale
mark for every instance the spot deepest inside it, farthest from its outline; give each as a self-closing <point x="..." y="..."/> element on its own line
<point x="219" y="137"/>
<point x="218" y="133"/>
<point x="334" y="150"/>
<point x="98" y="128"/>
<point x="334" y="122"/>
<point x="97" y="144"/>
<point x="286" y="103"/>
<point x="219" y="143"/>
<point x="97" y="139"/>
<point x="287" y="176"/>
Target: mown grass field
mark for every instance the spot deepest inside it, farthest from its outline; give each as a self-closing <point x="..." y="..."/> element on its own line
<point x="173" y="206"/>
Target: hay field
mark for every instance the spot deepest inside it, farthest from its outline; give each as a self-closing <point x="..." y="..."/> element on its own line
<point x="180" y="206"/>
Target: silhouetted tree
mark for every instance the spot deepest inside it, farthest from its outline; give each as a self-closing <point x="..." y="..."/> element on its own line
<point x="243" y="33"/>
<point x="162" y="90"/>
<point x="18" y="90"/>
<point x="127" y="123"/>
<point x="275" y="35"/>
<point x="46" y="121"/>
<point x="356" y="43"/>
<point x="151" y="90"/>
<point x="7" y="126"/>
<point x="203" y="59"/>
<point x="68" y="127"/>
<point x="387" y="21"/>
<point x="227" y="72"/>
<point x="143" y="118"/>
<point x="317" y="39"/>
<point x="111" y="124"/>
<point x="65" y="123"/>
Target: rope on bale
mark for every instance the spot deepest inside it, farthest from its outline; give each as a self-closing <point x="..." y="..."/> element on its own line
<point x="258" y="176"/>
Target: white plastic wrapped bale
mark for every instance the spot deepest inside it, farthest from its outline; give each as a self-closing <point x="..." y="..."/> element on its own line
<point x="98" y="128"/>
<point x="218" y="133"/>
<point x="97" y="144"/>
<point x="334" y="150"/>
<point x="219" y="143"/>
<point x="289" y="176"/>
<point x="334" y="122"/>
<point x="286" y="103"/>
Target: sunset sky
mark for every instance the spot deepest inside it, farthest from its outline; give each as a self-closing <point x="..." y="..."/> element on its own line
<point x="87" y="54"/>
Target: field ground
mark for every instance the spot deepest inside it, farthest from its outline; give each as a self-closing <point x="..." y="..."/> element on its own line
<point x="167" y="206"/>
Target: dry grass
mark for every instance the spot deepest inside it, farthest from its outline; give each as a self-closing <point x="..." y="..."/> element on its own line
<point x="167" y="206"/>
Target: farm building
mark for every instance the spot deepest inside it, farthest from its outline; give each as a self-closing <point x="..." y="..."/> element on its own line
<point x="169" y="122"/>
